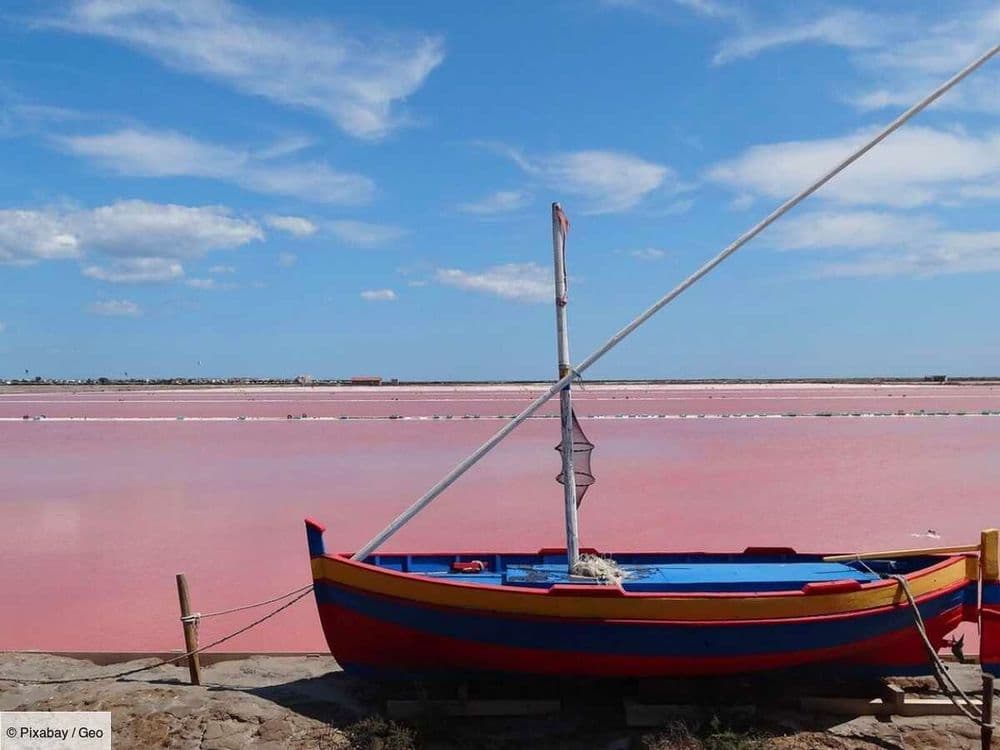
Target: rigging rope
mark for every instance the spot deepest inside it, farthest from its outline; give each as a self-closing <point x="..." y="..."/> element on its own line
<point x="399" y="521"/>
<point x="163" y="662"/>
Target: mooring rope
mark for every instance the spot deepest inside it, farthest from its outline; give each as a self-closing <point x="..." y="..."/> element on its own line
<point x="941" y="673"/>
<point x="194" y="617"/>
<point x="162" y="662"/>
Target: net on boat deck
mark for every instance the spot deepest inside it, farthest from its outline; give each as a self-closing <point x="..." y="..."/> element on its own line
<point x="582" y="449"/>
<point x="602" y="569"/>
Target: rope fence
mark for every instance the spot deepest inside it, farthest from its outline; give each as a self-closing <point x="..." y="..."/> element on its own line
<point x="196" y="616"/>
<point x="191" y="619"/>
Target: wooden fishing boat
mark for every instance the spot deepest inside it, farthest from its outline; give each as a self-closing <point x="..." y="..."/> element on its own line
<point x="555" y="612"/>
<point x="673" y="615"/>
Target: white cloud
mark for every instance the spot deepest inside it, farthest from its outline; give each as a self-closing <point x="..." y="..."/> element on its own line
<point x="666" y="8"/>
<point x="753" y="32"/>
<point x="935" y="47"/>
<point x="365" y="234"/>
<point x="155" y="153"/>
<point x="916" y="166"/>
<point x="286" y="260"/>
<point x="130" y="228"/>
<point x="708" y="8"/>
<point x="285" y="146"/>
<point x="925" y="54"/>
<point x="845" y="28"/>
<point x="19" y="117"/>
<point x="136" y="228"/>
<point x="742" y="202"/>
<point x="141" y="242"/>
<point x="524" y="282"/>
<point x="648" y="253"/>
<point x="869" y="243"/>
<point x="116" y="308"/>
<point x="990" y="191"/>
<point x="164" y="153"/>
<point x="136" y="271"/>
<point x="30" y="236"/>
<point x="943" y="253"/>
<point x="378" y="295"/>
<point x="296" y="225"/>
<point x="901" y="53"/>
<point x="222" y="269"/>
<point x="499" y="202"/>
<point x="202" y="283"/>
<point x="850" y="229"/>
<point x="356" y="81"/>
<point x="676" y="208"/>
<point x="608" y="181"/>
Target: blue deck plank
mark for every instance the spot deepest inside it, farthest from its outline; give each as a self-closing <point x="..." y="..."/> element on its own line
<point x="662" y="576"/>
<point x="700" y="577"/>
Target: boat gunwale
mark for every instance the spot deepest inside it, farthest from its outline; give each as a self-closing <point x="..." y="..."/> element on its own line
<point x="924" y="598"/>
<point x="581" y="589"/>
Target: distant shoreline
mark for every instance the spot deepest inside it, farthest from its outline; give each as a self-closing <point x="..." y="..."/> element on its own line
<point x="228" y="384"/>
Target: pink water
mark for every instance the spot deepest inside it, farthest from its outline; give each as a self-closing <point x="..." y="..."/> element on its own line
<point x="99" y="514"/>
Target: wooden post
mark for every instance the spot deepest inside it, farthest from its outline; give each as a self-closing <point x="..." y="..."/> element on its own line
<point x="986" y="733"/>
<point x="989" y="555"/>
<point x="893" y="700"/>
<point x="190" y="630"/>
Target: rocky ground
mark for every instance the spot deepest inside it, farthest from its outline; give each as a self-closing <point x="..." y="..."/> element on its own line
<point x="307" y="702"/>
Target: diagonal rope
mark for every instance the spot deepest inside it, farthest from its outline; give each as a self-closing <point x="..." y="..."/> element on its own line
<point x="941" y="673"/>
<point x="399" y="521"/>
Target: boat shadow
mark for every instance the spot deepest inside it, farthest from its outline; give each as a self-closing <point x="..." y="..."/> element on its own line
<point x="334" y="698"/>
<point x="585" y="711"/>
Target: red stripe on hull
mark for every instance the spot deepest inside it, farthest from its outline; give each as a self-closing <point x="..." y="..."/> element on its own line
<point x="358" y="640"/>
<point x="989" y="645"/>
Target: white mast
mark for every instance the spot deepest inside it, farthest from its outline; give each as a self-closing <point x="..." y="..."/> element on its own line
<point x="399" y="521"/>
<point x="559" y="227"/>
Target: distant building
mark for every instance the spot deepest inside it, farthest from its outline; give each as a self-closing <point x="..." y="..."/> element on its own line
<point x="304" y="380"/>
<point x="366" y="380"/>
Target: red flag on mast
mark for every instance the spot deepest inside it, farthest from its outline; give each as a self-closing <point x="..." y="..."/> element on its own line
<point x="563" y="222"/>
<point x="564" y="230"/>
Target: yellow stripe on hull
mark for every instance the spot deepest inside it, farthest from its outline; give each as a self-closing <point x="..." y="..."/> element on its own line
<point x="639" y="606"/>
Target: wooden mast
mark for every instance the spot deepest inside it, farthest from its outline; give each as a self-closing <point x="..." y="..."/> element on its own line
<point x="559" y="228"/>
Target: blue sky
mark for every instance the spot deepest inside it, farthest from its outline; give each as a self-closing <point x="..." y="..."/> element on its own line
<point x="209" y="188"/>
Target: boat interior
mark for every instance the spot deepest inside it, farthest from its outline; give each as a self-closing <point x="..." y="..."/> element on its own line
<point x="751" y="571"/>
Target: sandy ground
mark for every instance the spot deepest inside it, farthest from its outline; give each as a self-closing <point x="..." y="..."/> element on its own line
<point x="307" y="702"/>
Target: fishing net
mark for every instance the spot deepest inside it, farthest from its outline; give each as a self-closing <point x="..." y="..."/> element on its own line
<point x="582" y="449"/>
<point x="604" y="569"/>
